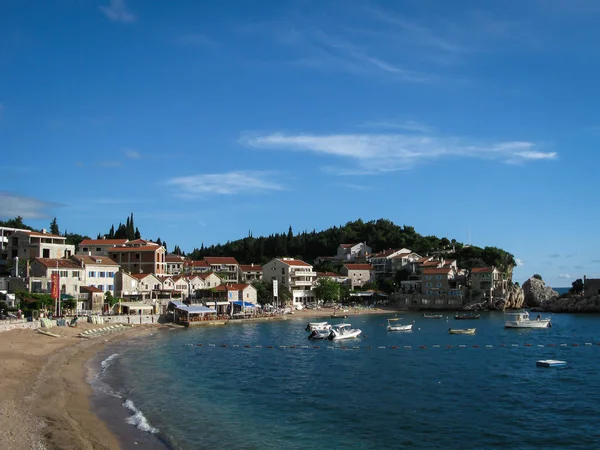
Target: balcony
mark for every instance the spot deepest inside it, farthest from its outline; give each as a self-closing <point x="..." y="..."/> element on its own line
<point x="301" y="283"/>
<point x="303" y="273"/>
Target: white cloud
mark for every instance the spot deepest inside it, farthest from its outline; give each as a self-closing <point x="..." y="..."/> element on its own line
<point x="565" y="276"/>
<point x="519" y="262"/>
<point x="117" y="11"/>
<point x="537" y="155"/>
<point x="29" y="208"/>
<point x="131" y="153"/>
<point x="224" y="183"/>
<point x="408" y="125"/>
<point x="390" y="152"/>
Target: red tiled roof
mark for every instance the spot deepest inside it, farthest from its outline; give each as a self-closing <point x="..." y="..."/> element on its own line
<point x="90" y="289"/>
<point x="140" y="276"/>
<point x="329" y="274"/>
<point x="358" y="266"/>
<point x="237" y="287"/>
<point x="388" y="252"/>
<point x="401" y="255"/>
<point x="423" y="259"/>
<point x="436" y="271"/>
<point x="250" y="268"/>
<point x="221" y="260"/>
<point x="430" y="263"/>
<point x="145" y="248"/>
<point x="221" y="287"/>
<point x="96" y="260"/>
<point x="103" y="242"/>
<point x="173" y="258"/>
<point x="60" y="263"/>
<point x="196" y="263"/>
<point x="294" y="262"/>
<point x="347" y="245"/>
<point x="482" y="269"/>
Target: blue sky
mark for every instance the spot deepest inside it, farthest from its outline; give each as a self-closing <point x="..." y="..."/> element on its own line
<point x="211" y="119"/>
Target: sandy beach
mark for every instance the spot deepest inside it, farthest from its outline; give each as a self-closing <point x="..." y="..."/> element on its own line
<point x="45" y="400"/>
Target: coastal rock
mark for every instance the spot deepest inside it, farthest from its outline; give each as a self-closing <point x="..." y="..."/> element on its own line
<point x="514" y="299"/>
<point x="536" y="292"/>
<point x="573" y="304"/>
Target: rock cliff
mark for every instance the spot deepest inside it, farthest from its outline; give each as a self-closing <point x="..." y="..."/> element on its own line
<point x="575" y="304"/>
<point x="514" y="299"/>
<point x="536" y="292"/>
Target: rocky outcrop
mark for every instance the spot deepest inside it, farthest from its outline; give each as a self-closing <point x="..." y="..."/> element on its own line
<point x="536" y="292"/>
<point x="514" y="299"/>
<point x="575" y="304"/>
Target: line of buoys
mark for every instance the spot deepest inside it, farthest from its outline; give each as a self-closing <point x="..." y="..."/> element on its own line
<point x="394" y="347"/>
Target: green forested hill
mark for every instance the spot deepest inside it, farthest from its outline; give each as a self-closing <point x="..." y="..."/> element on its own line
<point x="378" y="234"/>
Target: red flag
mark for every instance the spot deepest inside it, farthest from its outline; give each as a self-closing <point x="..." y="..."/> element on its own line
<point x="55" y="278"/>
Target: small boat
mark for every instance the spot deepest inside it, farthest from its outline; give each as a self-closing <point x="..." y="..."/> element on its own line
<point x="461" y="331"/>
<point x="550" y="363"/>
<point x="433" y="316"/>
<point x="319" y="334"/>
<point x="466" y="316"/>
<point x="319" y="326"/>
<point x="397" y="327"/>
<point x="521" y="320"/>
<point x="340" y="316"/>
<point x="343" y="331"/>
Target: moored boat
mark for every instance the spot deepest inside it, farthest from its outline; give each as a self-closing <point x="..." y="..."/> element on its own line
<point x="392" y="326"/>
<point x="319" y="334"/>
<point x="466" y="316"/>
<point x="521" y="320"/>
<point x="433" y="316"/>
<point x="343" y="331"/>
<point x="550" y="363"/>
<point x="461" y="331"/>
<point x="339" y="316"/>
<point x="319" y="326"/>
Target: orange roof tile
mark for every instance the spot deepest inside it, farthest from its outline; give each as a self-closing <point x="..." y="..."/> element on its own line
<point x="90" y="289"/>
<point x="482" y="269"/>
<point x="221" y="260"/>
<point x="103" y="242"/>
<point x="145" y="248"/>
<point x="436" y="271"/>
<point x="237" y="287"/>
<point x="250" y="268"/>
<point x="294" y="262"/>
<point x="96" y="260"/>
<point x="60" y="263"/>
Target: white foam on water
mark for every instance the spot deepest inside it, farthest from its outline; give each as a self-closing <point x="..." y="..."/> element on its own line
<point x="138" y="419"/>
<point x="98" y="383"/>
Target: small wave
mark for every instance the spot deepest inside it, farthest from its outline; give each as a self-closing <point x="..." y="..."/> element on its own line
<point x="138" y="419"/>
<point x="107" y="361"/>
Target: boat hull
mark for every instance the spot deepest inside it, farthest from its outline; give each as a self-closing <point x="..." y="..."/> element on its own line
<point x="465" y="331"/>
<point x="351" y="334"/>
<point x="399" y="328"/>
<point x="543" y="323"/>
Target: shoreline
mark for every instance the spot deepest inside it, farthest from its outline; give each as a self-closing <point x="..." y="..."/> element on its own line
<point x="48" y="401"/>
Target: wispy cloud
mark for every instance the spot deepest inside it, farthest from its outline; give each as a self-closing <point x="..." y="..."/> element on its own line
<point x="554" y="255"/>
<point x="325" y="51"/>
<point x="519" y="262"/>
<point x="390" y="152"/>
<point x="118" y="11"/>
<point x="29" y="208"/>
<point x="132" y="154"/>
<point x="408" y="125"/>
<point x="358" y="187"/>
<point x="225" y="183"/>
<point x="565" y="276"/>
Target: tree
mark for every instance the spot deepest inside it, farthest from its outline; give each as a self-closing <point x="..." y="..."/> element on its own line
<point x="577" y="286"/>
<point x="110" y="299"/>
<point x="54" y="227"/>
<point x="327" y="289"/>
<point x="537" y="276"/>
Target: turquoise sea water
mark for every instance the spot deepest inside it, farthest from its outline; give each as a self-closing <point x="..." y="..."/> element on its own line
<point x="561" y="290"/>
<point x="460" y="394"/>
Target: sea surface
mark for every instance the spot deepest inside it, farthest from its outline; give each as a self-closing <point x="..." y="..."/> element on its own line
<point x="561" y="290"/>
<point x="207" y="388"/>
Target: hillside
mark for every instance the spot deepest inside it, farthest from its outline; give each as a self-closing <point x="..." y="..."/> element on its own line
<point x="379" y="234"/>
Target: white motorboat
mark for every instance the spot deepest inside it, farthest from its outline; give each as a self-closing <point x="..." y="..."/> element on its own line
<point x="392" y="326"/>
<point x="343" y="331"/>
<point x="319" y="334"/>
<point x="521" y="320"/>
<point x="319" y="326"/>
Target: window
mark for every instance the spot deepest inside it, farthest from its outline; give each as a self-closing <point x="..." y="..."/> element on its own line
<point x="91" y="274"/>
<point x="85" y="249"/>
<point x="98" y="249"/>
<point x="101" y="274"/>
<point x="438" y="284"/>
<point x="75" y="274"/>
<point x="111" y="287"/>
<point x="439" y="277"/>
<point x="54" y="272"/>
<point x="427" y="284"/>
<point x="282" y="271"/>
<point x="64" y="273"/>
<point x="101" y="287"/>
<point x="45" y="253"/>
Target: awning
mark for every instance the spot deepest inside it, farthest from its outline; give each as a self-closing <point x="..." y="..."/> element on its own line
<point x="66" y="297"/>
<point x="135" y="305"/>
<point x="196" y="309"/>
<point x="245" y="304"/>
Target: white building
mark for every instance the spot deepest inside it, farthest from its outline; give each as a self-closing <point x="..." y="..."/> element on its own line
<point x="298" y="276"/>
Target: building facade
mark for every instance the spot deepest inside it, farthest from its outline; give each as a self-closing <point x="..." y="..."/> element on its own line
<point x="298" y="276"/>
